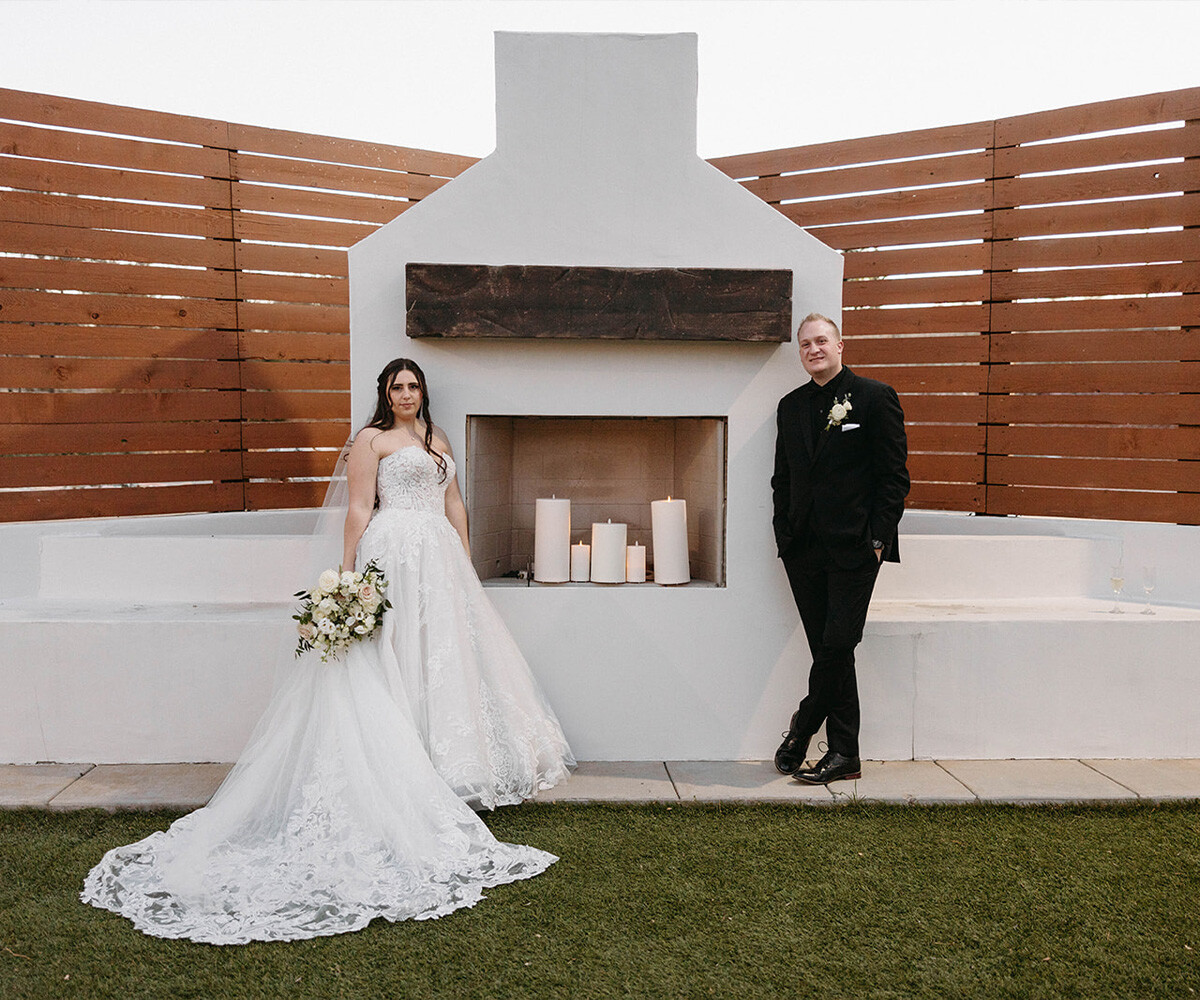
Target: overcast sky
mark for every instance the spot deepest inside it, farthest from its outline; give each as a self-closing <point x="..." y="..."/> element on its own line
<point x="772" y="74"/>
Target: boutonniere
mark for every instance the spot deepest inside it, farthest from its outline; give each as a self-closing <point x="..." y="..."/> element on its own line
<point x="839" y="411"/>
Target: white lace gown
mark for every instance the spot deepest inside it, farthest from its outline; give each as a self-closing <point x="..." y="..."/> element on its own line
<point x="347" y="803"/>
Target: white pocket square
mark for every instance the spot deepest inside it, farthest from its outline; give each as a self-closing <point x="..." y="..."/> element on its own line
<point x="851" y="427"/>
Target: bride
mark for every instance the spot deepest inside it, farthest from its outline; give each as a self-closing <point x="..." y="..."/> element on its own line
<point x="350" y="800"/>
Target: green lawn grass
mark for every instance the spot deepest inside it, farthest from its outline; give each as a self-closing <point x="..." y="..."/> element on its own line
<point x="857" y="901"/>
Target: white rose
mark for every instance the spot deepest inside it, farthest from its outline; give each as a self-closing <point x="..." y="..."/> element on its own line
<point x="838" y="413"/>
<point x="366" y="593"/>
<point x="328" y="581"/>
<point x="348" y="580"/>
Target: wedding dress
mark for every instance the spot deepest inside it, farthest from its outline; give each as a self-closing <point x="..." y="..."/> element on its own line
<point x="481" y="715"/>
<point x="348" y="802"/>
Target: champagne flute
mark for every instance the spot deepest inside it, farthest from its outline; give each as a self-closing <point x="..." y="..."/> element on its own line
<point x="1117" y="579"/>
<point x="1148" y="582"/>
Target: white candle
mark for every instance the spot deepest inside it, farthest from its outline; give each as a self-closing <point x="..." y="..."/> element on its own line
<point x="581" y="556"/>
<point x="552" y="540"/>
<point x="668" y="524"/>
<point x="635" y="563"/>
<point x="608" y="553"/>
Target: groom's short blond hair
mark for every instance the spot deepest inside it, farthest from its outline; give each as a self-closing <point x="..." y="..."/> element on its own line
<point x="819" y="318"/>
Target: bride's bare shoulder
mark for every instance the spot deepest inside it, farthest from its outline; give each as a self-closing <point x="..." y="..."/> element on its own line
<point x="440" y="441"/>
<point x="364" y="440"/>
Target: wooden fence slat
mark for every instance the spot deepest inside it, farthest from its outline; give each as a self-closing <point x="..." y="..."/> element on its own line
<point x="1116" y="376"/>
<point x="1099" y="442"/>
<point x="296" y="434"/>
<point x="294" y="316"/>
<point x="325" y="204"/>
<point x="1109" y="150"/>
<point x="943" y="229"/>
<point x="907" y="350"/>
<point x="1106" y="503"/>
<point x="51" y="504"/>
<point x="957" y="288"/>
<point x="928" y="378"/>
<point x="300" y="260"/>
<point x="1095" y="345"/>
<point x="255" y="139"/>
<point x="312" y="232"/>
<point x="289" y="464"/>
<point x="107" y="151"/>
<point x="894" y="146"/>
<point x="272" y="496"/>
<point x="1144" y="279"/>
<point x="1095" y="473"/>
<point x="67" y="112"/>
<point x="946" y="496"/>
<point x="1100" y="116"/>
<point x="889" y="205"/>
<point x="117" y="342"/>
<point x="930" y="319"/>
<point x="56" y="407"/>
<point x="1082" y="251"/>
<point x="333" y="176"/>
<point x="289" y="288"/>
<point x="99" y="470"/>
<point x="263" y="345"/>
<point x="276" y="375"/>
<point x="68" y="210"/>
<point x="946" y="408"/>
<point x="875" y="177"/>
<point x="20" y="306"/>
<point x="106" y="182"/>
<point x="969" y="438"/>
<point x="1086" y="407"/>
<point x="1092" y="314"/>
<point x="73" y="242"/>
<point x="290" y="404"/>
<point x="1127" y="182"/>
<point x="1144" y="213"/>
<point x="126" y="279"/>
<point x="919" y="260"/>
<point x="72" y="439"/>
<point x="936" y="468"/>
<point x="118" y="373"/>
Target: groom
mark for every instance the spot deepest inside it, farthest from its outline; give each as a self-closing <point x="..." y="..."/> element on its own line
<point x="839" y="487"/>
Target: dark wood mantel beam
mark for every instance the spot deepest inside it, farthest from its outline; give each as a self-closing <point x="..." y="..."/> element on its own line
<point x="598" y="303"/>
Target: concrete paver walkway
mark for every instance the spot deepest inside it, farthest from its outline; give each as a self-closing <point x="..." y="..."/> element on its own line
<point x="188" y="786"/>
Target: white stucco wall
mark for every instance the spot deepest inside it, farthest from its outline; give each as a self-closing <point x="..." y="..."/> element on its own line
<point x="596" y="165"/>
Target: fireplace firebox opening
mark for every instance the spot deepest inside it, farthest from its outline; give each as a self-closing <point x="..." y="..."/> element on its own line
<point x="609" y="468"/>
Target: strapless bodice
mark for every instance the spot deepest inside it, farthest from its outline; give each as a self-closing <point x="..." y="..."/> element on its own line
<point x="409" y="479"/>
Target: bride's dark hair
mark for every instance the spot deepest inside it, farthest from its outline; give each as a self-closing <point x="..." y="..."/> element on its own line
<point x="385" y="419"/>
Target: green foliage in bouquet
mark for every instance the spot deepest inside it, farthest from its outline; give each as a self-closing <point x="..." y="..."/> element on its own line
<point x="342" y="609"/>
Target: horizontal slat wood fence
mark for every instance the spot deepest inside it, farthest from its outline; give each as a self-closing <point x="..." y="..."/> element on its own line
<point x="173" y="305"/>
<point x="1031" y="287"/>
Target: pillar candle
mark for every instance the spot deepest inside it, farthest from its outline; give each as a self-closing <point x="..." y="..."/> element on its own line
<point x="635" y="563"/>
<point x="668" y="525"/>
<point x="581" y="556"/>
<point x="552" y="540"/>
<point x="608" y="553"/>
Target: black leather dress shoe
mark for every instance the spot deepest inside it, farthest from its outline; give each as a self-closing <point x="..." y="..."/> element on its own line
<point x="832" y="767"/>
<point x="789" y="758"/>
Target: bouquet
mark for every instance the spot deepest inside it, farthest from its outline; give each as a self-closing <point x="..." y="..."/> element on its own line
<point x="341" y="609"/>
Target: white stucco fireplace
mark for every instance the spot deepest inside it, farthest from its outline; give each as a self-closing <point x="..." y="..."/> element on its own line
<point x="596" y="167"/>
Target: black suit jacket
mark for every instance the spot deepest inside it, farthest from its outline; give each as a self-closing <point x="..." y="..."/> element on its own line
<point x="846" y="487"/>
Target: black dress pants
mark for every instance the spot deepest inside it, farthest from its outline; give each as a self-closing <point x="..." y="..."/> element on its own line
<point x="833" y="608"/>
